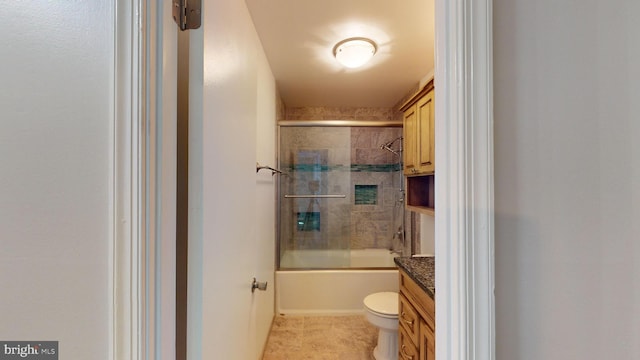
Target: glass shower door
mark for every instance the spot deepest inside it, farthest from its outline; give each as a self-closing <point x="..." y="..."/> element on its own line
<point x="315" y="197"/>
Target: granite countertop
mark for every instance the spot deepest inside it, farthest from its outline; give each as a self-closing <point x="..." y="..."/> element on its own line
<point x="421" y="270"/>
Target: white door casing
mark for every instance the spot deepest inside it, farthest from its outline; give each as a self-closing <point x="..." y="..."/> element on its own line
<point x="464" y="185"/>
<point x="127" y="257"/>
<point x="144" y="152"/>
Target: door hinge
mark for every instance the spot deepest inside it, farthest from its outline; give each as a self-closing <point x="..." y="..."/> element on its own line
<point x="187" y="13"/>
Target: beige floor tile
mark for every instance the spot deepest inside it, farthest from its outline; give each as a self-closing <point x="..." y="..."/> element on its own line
<point x="350" y="340"/>
<point x="351" y="322"/>
<point x="319" y="341"/>
<point x="283" y="340"/>
<point x="357" y="355"/>
<point x="321" y="338"/>
<point x="318" y="322"/>
<point x="299" y="355"/>
<point x="288" y="322"/>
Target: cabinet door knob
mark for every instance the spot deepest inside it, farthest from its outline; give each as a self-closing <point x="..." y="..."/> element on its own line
<point x="409" y="322"/>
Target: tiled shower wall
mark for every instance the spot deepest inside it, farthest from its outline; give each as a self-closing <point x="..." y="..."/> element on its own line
<point x="349" y="161"/>
<point x="342" y="113"/>
<point x="373" y="226"/>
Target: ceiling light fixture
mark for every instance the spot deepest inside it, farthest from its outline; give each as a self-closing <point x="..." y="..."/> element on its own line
<point x="354" y="52"/>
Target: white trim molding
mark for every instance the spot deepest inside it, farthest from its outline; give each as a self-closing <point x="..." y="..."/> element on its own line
<point x="465" y="310"/>
<point x="143" y="186"/>
<point x="128" y="186"/>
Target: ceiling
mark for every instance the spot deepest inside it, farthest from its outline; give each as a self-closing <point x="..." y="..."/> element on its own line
<point x="298" y="38"/>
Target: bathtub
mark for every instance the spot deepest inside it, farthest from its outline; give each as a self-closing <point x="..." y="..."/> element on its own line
<point x="334" y="259"/>
<point x="335" y="291"/>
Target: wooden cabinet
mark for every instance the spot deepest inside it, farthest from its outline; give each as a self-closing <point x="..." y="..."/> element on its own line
<point x="416" y="314"/>
<point x="419" y="150"/>
<point x="427" y="341"/>
<point x="421" y="194"/>
<point x="419" y="133"/>
<point x="408" y="349"/>
<point x="410" y="136"/>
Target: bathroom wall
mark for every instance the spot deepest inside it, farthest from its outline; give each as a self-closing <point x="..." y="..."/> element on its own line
<point x="373" y="225"/>
<point x="342" y="113"/>
<point x="427" y="234"/>
<point x="567" y="179"/>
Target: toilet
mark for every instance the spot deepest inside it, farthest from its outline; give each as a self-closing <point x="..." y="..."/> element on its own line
<point x="381" y="310"/>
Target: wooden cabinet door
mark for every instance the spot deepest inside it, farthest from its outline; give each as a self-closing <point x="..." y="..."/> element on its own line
<point x="427" y="342"/>
<point x="408" y="318"/>
<point x="410" y="134"/>
<point x="426" y="134"/>
<point x="406" y="348"/>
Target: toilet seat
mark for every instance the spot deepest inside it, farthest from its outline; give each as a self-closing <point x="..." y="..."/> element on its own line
<point x="383" y="304"/>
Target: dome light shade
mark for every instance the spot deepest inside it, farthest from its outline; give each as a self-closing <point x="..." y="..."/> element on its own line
<point x="354" y="52"/>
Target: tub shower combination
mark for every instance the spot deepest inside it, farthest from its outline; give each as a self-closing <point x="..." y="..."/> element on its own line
<point x="341" y="215"/>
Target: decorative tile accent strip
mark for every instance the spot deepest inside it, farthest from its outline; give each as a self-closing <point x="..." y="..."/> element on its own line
<point x="353" y="168"/>
<point x="376" y="168"/>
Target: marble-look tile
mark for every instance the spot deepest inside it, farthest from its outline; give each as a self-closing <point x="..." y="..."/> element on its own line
<point x="316" y="341"/>
<point x="312" y="323"/>
<point x="373" y="114"/>
<point x="341" y="113"/>
<point x="372" y="156"/>
<point x="357" y="355"/>
<point x="347" y="340"/>
<point x="351" y="322"/>
<point x="321" y="338"/>
<point x="302" y="355"/>
<point x="360" y="137"/>
<point x="281" y="340"/>
<point x="288" y="322"/>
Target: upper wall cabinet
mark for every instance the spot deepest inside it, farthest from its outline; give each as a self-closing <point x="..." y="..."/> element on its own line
<point x="419" y="132"/>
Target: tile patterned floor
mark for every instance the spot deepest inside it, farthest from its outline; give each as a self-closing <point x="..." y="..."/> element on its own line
<point x="320" y="338"/>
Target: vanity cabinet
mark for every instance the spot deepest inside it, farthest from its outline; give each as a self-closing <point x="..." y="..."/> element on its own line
<point x="416" y="314"/>
<point x="419" y="150"/>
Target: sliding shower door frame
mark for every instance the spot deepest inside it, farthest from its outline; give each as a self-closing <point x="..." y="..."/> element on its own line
<point x="280" y="196"/>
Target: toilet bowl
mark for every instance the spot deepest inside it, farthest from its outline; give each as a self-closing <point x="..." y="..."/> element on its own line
<point x="381" y="310"/>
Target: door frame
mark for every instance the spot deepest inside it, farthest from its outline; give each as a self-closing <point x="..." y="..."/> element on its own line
<point x="143" y="186"/>
<point x="464" y="228"/>
<point x="127" y="255"/>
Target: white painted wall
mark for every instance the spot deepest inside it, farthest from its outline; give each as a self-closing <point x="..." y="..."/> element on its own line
<point x="427" y="234"/>
<point x="57" y="103"/>
<point x="232" y="231"/>
<point x="567" y="187"/>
